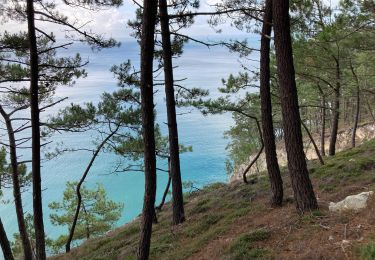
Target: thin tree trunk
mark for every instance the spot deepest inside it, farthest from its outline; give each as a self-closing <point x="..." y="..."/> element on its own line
<point x="336" y="112"/>
<point x="174" y="152"/>
<point x="254" y="160"/>
<point x="323" y="130"/>
<point x="370" y="110"/>
<point x="166" y="187"/>
<point x="323" y="122"/>
<point x="86" y="222"/>
<point x="78" y="189"/>
<point x="147" y="98"/>
<point x="314" y="144"/>
<point x="356" y="119"/>
<point x="301" y="184"/>
<point x="28" y="254"/>
<point x="35" y="134"/>
<point x="4" y="243"/>
<point x="164" y="194"/>
<point x="266" y="107"/>
<point x="154" y="217"/>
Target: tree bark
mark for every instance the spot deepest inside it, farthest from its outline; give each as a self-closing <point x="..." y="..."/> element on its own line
<point x="27" y="251"/>
<point x="357" y="110"/>
<point x="174" y="149"/>
<point x="147" y="105"/>
<point x="4" y="243"/>
<point x="266" y="109"/>
<point x="336" y="112"/>
<point x="35" y="134"/>
<point x="301" y="184"/>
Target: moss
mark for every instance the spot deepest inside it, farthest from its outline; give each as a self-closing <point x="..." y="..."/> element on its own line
<point x="207" y="221"/>
<point x="366" y="252"/>
<point x="239" y="213"/>
<point x="130" y="230"/>
<point x="243" y="247"/>
<point x="215" y="186"/>
<point x="201" y="206"/>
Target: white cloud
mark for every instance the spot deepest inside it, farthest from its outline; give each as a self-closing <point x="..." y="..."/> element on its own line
<point x="112" y="22"/>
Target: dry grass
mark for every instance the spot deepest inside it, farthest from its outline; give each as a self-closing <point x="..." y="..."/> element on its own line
<point x="233" y="221"/>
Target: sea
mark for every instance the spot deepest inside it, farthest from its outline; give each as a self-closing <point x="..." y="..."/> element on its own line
<point x="201" y="66"/>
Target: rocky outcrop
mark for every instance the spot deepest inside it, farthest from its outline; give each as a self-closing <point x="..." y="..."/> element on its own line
<point x="364" y="132"/>
<point x="353" y="202"/>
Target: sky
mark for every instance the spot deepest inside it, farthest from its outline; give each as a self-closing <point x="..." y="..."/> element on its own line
<point x="112" y="22"/>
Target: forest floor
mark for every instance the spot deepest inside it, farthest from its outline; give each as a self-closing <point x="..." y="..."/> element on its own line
<point x="234" y="221"/>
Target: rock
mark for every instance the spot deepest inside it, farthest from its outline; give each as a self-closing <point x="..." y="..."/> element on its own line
<point x="353" y="202"/>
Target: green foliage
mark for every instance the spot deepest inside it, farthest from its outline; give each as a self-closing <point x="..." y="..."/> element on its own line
<point x="6" y="172"/>
<point x="97" y="216"/>
<point x="54" y="70"/>
<point x="16" y="244"/>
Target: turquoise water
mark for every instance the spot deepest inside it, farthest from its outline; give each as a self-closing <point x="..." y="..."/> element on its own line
<point x="206" y="164"/>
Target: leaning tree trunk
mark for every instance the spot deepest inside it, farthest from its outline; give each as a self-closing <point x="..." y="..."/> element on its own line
<point x="356" y="119"/>
<point x="35" y="136"/>
<point x="301" y="184"/>
<point x="79" y="185"/>
<point x="313" y="143"/>
<point x="28" y="254"/>
<point x="369" y="108"/>
<point x="147" y="96"/>
<point x="336" y="112"/>
<point x="266" y="107"/>
<point x="323" y="121"/>
<point x="323" y="130"/>
<point x="166" y="187"/>
<point x="4" y="243"/>
<point x="164" y="195"/>
<point x="174" y="152"/>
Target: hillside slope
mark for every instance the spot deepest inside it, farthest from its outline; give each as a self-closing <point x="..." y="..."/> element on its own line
<point x="233" y="221"/>
<point x="365" y="131"/>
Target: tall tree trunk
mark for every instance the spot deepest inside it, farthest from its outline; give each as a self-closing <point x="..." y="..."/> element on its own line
<point x="28" y="254"/>
<point x="174" y="152"/>
<point x="266" y="107"/>
<point x="336" y="112"/>
<point x="301" y="184"/>
<point x="35" y="134"/>
<point x="147" y="96"/>
<point x="357" y="110"/>
<point x="4" y="243"/>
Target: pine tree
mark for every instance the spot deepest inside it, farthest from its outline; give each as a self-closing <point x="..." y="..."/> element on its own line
<point x="146" y="83"/>
<point x="301" y="184"/>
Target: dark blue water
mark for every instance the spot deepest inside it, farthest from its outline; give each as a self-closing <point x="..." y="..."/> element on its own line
<point x="203" y="68"/>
